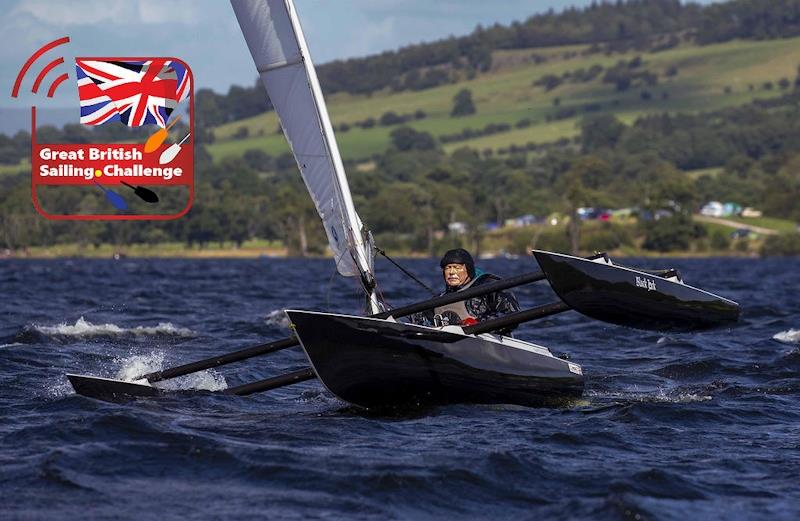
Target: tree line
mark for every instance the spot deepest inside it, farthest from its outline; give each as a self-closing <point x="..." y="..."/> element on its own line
<point x="414" y="190"/>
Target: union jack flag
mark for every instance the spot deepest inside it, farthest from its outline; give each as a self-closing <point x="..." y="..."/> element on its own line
<point x="138" y="92"/>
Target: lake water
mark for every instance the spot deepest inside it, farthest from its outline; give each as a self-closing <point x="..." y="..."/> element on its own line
<point x="678" y="426"/>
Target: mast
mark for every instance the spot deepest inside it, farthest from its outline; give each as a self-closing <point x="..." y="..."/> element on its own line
<point x="276" y="41"/>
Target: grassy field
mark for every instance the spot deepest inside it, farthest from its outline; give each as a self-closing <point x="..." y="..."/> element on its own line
<point x="506" y="94"/>
<point x="779" y="225"/>
<point x="22" y="166"/>
<point x="697" y="174"/>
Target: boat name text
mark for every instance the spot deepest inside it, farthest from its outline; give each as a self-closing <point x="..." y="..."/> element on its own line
<point x="649" y="285"/>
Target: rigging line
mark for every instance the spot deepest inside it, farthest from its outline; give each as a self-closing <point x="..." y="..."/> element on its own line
<point x="363" y="304"/>
<point x="362" y="284"/>
<point x="381" y="298"/>
<point x="338" y="261"/>
<point x="359" y="255"/>
<point x="359" y="287"/>
<point x="406" y="271"/>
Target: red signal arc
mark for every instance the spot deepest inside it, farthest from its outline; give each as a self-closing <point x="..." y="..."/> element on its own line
<point x="55" y="84"/>
<point x="33" y="58"/>
<point x="50" y="66"/>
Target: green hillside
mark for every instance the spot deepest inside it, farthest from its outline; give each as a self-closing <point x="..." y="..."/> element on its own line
<point x="639" y="110"/>
<point x="702" y="78"/>
<point x="23" y="166"/>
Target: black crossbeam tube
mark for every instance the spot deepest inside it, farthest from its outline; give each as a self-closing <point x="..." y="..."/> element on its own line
<point x="514" y="319"/>
<point x="285" y="343"/>
<point x="272" y="383"/>
<point x="494" y="324"/>
<point x="217" y="361"/>
<point x="458" y="296"/>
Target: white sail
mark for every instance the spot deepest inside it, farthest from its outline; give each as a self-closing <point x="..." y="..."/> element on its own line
<point x="279" y="49"/>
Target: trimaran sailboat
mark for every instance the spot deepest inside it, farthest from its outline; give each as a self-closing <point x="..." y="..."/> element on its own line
<point x="378" y="361"/>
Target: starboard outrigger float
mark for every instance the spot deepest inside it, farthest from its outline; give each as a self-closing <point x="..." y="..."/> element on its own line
<point x="376" y="361"/>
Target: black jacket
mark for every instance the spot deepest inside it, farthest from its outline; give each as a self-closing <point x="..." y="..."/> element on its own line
<point x="481" y="308"/>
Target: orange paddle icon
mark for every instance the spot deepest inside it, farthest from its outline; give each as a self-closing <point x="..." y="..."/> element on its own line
<point x="155" y="141"/>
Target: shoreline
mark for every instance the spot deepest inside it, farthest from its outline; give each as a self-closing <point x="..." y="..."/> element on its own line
<point x="158" y="252"/>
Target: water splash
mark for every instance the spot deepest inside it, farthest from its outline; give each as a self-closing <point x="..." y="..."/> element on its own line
<point x="207" y="380"/>
<point x="791" y="336"/>
<point x="84" y="328"/>
<point x="277" y="318"/>
<point x="135" y="366"/>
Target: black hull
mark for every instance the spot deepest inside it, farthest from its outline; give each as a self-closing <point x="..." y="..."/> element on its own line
<point x="376" y="363"/>
<point x="633" y="298"/>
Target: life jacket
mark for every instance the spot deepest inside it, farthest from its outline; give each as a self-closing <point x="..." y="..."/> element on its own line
<point x="455" y="313"/>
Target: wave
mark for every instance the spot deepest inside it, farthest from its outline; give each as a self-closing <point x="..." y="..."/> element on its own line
<point x="791" y="336"/>
<point x="57" y="388"/>
<point x="658" y="396"/>
<point x="692" y="369"/>
<point x="84" y="328"/>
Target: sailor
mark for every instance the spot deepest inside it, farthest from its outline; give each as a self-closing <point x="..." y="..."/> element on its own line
<point x="459" y="272"/>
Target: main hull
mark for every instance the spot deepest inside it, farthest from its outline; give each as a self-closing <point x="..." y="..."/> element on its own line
<point x="377" y="363"/>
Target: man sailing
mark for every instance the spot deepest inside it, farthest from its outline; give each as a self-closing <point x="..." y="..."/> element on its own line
<point x="458" y="270"/>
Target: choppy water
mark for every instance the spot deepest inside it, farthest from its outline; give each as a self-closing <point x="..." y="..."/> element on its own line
<point x="686" y="426"/>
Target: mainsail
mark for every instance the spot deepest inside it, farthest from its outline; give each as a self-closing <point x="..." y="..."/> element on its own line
<point x="280" y="52"/>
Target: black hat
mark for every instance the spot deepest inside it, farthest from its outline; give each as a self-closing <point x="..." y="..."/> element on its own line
<point x="459" y="256"/>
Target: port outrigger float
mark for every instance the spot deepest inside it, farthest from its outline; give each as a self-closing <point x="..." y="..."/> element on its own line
<point x="377" y="361"/>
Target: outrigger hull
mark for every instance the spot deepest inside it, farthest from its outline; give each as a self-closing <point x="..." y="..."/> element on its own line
<point x="634" y="298"/>
<point x="377" y="363"/>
